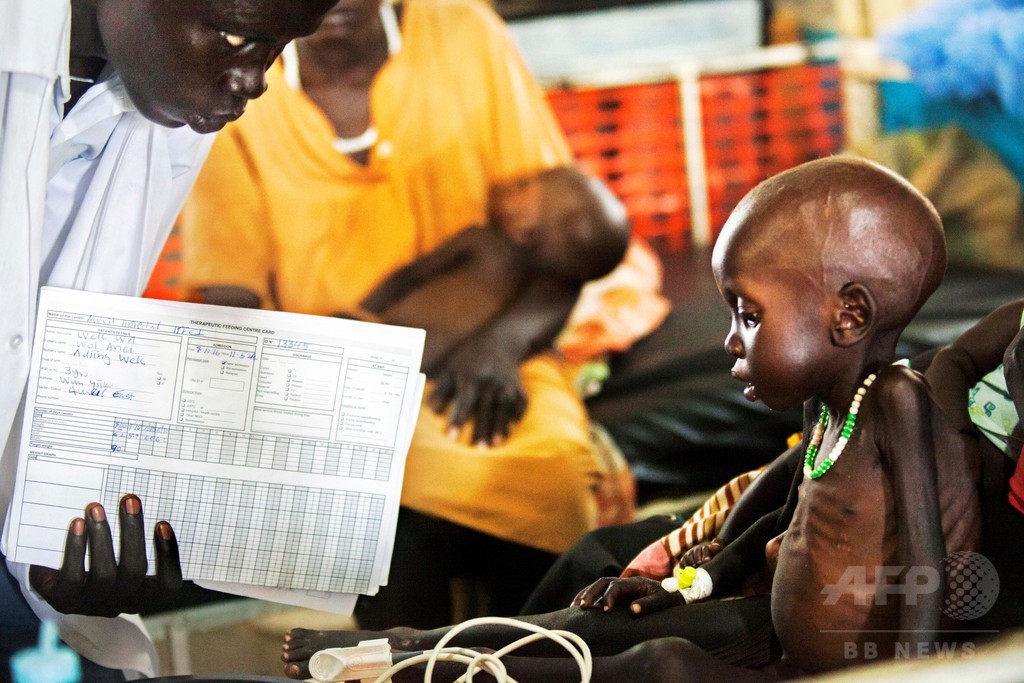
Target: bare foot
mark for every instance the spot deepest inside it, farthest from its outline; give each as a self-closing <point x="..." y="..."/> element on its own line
<point x="300" y="644"/>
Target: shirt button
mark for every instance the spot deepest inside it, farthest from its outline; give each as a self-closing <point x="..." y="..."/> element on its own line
<point x="16" y="341"/>
<point x="385" y="148"/>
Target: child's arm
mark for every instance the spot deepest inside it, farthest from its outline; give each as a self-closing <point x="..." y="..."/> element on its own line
<point x="725" y="572"/>
<point x="748" y="554"/>
<point x="765" y="493"/>
<point x="410" y="277"/>
<point x="907" y="447"/>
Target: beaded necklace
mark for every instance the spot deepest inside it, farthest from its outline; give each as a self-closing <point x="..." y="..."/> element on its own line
<point x="844" y="435"/>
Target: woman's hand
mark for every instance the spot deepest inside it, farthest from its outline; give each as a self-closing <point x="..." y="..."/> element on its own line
<point x="110" y="588"/>
<point x="637" y="593"/>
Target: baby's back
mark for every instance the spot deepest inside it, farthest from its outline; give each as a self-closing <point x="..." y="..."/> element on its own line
<point x="457" y="301"/>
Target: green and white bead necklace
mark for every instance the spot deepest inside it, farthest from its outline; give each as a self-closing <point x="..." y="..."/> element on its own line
<point x="844" y="436"/>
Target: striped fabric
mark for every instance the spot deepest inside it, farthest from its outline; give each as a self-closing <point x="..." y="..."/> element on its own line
<point x="705" y="524"/>
<point x="660" y="558"/>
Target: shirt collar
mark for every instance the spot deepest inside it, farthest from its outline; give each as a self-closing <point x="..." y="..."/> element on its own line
<point x="87" y="127"/>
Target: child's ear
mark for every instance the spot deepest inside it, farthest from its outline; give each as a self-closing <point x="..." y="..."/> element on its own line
<point x="854" y="316"/>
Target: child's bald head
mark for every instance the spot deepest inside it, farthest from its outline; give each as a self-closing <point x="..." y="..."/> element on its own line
<point x="837" y="221"/>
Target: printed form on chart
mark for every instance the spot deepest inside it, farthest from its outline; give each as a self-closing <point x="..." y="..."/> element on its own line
<point x="274" y="443"/>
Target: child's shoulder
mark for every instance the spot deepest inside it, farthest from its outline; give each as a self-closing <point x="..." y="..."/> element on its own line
<point x="901" y="396"/>
<point x="899" y="381"/>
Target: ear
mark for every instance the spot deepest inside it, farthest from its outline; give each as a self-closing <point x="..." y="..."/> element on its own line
<point x="854" y="316"/>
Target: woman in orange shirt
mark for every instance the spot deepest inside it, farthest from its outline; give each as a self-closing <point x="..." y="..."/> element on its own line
<point x="379" y="138"/>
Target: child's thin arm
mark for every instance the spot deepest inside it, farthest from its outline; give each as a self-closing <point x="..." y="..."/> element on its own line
<point x="766" y="494"/>
<point x="908" y="453"/>
<point x="744" y="556"/>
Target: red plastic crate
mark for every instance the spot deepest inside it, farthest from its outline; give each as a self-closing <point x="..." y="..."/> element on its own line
<point x="631" y="138"/>
<point x="758" y="124"/>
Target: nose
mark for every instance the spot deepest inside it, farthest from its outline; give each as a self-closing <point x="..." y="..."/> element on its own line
<point x="248" y="82"/>
<point x="733" y="344"/>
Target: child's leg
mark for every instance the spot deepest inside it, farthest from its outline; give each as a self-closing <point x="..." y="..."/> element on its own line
<point x="737" y="632"/>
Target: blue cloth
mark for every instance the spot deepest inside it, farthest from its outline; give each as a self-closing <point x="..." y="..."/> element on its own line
<point x="19" y="626"/>
<point x="906" y="106"/>
<point x="963" y="49"/>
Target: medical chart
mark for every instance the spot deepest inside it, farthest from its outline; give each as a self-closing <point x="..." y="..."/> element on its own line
<point x="274" y="443"/>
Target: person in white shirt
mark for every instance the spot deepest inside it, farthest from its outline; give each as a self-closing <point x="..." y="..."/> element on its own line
<point x="103" y="109"/>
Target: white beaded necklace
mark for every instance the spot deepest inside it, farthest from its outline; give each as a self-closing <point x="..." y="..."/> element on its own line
<point x="290" y="61"/>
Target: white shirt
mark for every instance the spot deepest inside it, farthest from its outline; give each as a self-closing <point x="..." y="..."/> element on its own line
<point x="86" y="202"/>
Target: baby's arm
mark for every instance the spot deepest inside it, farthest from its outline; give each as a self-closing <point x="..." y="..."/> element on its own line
<point x="479" y="380"/>
<point x="905" y="437"/>
<point x="444" y="258"/>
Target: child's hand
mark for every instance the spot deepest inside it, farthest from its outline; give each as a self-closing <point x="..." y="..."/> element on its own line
<point x="638" y="594"/>
<point x="771" y="552"/>
<point x="701" y="553"/>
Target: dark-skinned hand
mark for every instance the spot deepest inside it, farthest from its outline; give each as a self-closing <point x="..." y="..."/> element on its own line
<point x="479" y="383"/>
<point x="110" y="588"/>
<point x="701" y="553"/>
<point x="638" y="594"/>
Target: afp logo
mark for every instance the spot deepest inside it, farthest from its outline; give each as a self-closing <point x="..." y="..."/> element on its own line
<point x="972" y="585"/>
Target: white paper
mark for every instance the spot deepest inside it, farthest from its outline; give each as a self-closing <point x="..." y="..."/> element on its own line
<point x="274" y="443"/>
<point x="342" y="603"/>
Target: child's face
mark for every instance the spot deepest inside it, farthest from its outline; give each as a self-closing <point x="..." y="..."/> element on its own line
<point x="779" y="334"/>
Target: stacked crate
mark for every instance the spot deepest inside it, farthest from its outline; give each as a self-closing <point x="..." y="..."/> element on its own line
<point x="758" y="124"/>
<point x="631" y="137"/>
<point x="753" y="124"/>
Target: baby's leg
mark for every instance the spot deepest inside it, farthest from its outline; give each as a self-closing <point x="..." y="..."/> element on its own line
<point x="737" y="632"/>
